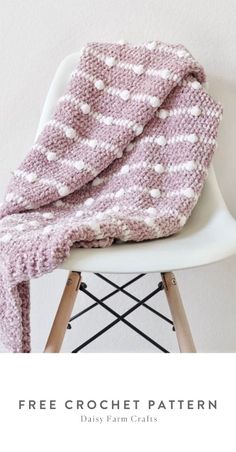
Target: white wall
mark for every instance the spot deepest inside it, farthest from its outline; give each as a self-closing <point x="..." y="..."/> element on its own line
<point x="35" y="35"/>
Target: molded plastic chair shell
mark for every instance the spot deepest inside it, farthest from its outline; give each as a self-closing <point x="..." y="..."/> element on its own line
<point x="208" y="236"/>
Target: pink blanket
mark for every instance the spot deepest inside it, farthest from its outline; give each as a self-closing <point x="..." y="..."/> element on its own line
<point x="124" y="157"/>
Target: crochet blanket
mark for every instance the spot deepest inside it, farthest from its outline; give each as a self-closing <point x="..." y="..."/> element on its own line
<point x="124" y="157"/>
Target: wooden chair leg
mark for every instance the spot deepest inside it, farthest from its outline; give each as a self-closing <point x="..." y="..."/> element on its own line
<point x="63" y="314"/>
<point x="183" y="333"/>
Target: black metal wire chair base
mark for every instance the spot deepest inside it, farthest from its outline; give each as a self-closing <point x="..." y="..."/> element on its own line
<point x="120" y="318"/>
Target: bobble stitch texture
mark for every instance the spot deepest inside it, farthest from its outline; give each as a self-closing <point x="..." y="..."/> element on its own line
<point x="99" y="84"/>
<point x="85" y="108"/>
<point x="125" y="95"/>
<point x="124" y="157"/>
<point x="70" y="133"/>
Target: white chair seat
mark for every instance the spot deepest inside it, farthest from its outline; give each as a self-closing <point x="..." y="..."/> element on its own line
<point x="208" y="236"/>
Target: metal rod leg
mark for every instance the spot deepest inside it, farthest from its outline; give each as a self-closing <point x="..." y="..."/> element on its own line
<point x="183" y="332"/>
<point x="63" y="314"/>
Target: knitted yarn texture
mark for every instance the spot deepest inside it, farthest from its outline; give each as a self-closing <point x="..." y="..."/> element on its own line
<point x="124" y="157"/>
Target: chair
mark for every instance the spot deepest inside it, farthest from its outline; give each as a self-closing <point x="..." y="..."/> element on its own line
<point x="200" y="242"/>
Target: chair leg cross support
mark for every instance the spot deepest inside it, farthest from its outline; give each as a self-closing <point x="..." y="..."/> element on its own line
<point x="63" y="321"/>
<point x="122" y="318"/>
